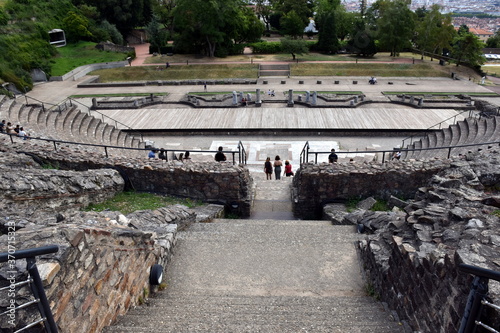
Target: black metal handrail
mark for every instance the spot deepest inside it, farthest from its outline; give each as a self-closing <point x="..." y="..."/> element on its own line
<point x="438" y="125"/>
<point x="241" y="152"/>
<point x="35" y="283"/>
<point x="63" y="106"/>
<point x="477" y="298"/>
<point x="306" y="152"/>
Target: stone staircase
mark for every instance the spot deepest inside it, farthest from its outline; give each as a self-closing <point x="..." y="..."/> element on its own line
<point x="274" y="70"/>
<point x="265" y="274"/>
<point x="69" y="125"/>
<point x="467" y="131"/>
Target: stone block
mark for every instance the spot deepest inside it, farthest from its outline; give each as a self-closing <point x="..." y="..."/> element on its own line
<point x="48" y="272"/>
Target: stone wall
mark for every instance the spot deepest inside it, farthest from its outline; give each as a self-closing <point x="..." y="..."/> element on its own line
<point x="411" y="257"/>
<point x="211" y="182"/>
<point x="52" y="190"/>
<point x="315" y="185"/>
<point x="102" y="267"/>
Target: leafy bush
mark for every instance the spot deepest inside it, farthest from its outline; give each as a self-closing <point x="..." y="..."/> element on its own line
<point x="266" y="47"/>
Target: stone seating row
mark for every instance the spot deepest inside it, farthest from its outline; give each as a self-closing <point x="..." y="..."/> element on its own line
<point x="71" y="124"/>
<point x="464" y="132"/>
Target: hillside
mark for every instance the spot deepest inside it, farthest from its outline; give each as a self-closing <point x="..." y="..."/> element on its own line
<point x="23" y="37"/>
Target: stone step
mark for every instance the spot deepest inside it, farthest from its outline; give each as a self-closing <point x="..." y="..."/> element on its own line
<point x="262" y="276"/>
<point x="287" y="314"/>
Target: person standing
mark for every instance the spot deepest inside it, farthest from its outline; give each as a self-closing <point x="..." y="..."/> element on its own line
<point x="268" y="169"/>
<point x="333" y="158"/>
<point x="219" y="156"/>
<point x="277" y="167"/>
<point x="288" y="169"/>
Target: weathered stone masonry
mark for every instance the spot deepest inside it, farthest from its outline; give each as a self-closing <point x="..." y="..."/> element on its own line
<point x="318" y="184"/>
<point x="411" y="257"/>
<point x="211" y="182"/>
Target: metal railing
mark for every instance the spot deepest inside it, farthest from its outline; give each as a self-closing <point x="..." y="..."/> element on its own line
<point x="35" y="283"/>
<point x="304" y="155"/>
<point x="437" y="126"/>
<point x="477" y="299"/>
<point x="241" y="152"/>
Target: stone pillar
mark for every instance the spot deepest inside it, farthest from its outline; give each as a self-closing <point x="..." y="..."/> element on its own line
<point x="290" y="97"/>
<point x="258" y="101"/>
<point x="235" y="98"/>
<point x="240" y="96"/>
<point x="356" y="99"/>
<point x="420" y="101"/>
<point x="403" y="98"/>
<point x="308" y="96"/>
<point x="412" y="99"/>
<point x="249" y="97"/>
<point x="94" y="103"/>
<point x="314" y="98"/>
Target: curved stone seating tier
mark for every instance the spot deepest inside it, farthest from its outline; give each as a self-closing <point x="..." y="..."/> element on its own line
<point x="467" y="131"/>
<point x="69" y="125"/>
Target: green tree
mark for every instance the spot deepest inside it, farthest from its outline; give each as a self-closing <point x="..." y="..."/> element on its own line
<point x="468" y="48"/>
<point x="164" y="12"/>
<point x="303" y="8"/>
<point x="396" y="25"/>
<point x="208" y="25"/>
<point x="327" y="24"/>
<point x="294" y="46"/>
<point x="251" y="28"/>
<point x="264" y="11"/>
<point x="76" y="27"/>
<point x="362" y="41"/>
<point x="494" y="41"/>
<point x="156" y="35"/>
<point x="124" y="14"/>
<point x="292" y="25"/>
<point x="435" y="31"/>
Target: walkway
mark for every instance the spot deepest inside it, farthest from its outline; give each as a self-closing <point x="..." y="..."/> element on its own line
<point x="264" y="276"/>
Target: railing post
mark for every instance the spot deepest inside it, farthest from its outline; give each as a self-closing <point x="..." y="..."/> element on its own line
<point x="234" y="157"/>
<point x="449" y="152"/>
<point x="55" y="146"/>
<point x="106" y="150"/>
<point x="39" y="293"/>
<point x="11" y="139"/>
<point x="478" y="291"/>
<point x="315" y="158"/>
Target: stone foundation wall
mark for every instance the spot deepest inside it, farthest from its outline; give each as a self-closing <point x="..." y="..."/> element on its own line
<point x="315" y="185"/>
<point x="101" y="269"/>
<point x="211" y="182"/>
<point x="412" y="254"/>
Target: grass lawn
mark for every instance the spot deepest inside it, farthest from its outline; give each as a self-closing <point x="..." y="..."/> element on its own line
<point x="119" y="95"/>
<point x="256" y="58"/>
<point x="128" y="202"/>
<point x="491" y="70"/>
<point x="72" y="56"/>
<point x="363" y="69"/>
<point x="181" y="72"/>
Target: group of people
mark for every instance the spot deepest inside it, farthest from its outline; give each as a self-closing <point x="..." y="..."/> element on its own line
<point x="9" y="128"/>
<point x="268" y="168"/>
<point x="270" y="93"/>
<point x="162" y="155"/>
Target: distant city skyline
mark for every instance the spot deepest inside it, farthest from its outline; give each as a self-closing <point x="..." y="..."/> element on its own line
<point x="449" y="6"/>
